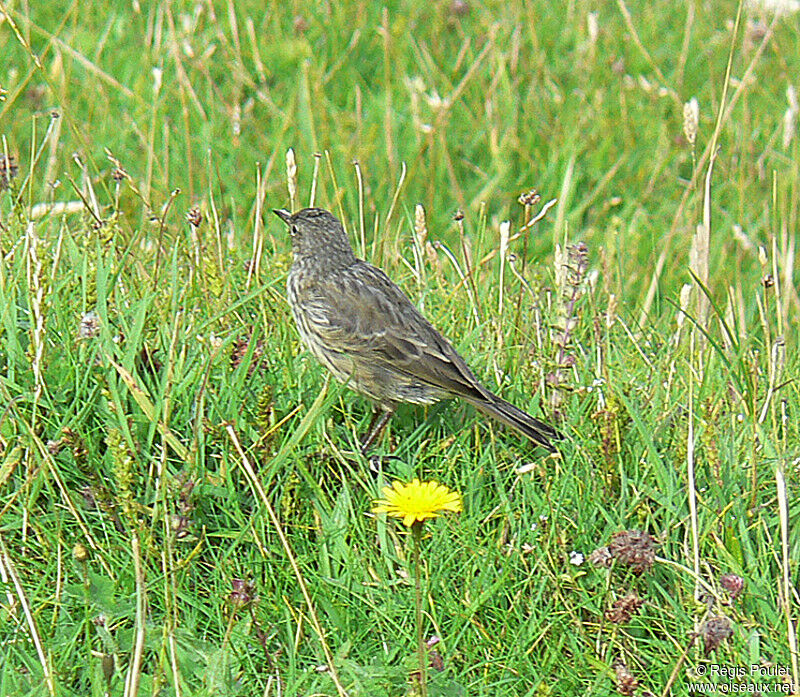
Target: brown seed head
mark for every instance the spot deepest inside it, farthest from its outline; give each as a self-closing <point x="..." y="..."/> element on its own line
<point x="626" y="682"/>
<point x="8" y="170"/>
<point x="242" y="593"/>
<point x="714" y="631"/>
<point x="633" y="548"/>
<point x="624" y="608"/>
<point x="578" y="255"/>
<point x="194" y="216"/>
<point x="733" y="584"/>
<point x="529" y="198"/>
<point x="601" y="557"/>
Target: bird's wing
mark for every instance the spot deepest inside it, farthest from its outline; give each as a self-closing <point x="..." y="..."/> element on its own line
<point x="362" y="312"/>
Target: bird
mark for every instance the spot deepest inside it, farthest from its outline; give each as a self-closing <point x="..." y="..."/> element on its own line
<point x="364" y="329"/>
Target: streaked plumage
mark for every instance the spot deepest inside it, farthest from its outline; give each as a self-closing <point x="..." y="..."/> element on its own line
<point x="364" y="329"/>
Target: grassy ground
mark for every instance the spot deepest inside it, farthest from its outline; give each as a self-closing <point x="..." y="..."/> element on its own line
<point x="149" y="367"/>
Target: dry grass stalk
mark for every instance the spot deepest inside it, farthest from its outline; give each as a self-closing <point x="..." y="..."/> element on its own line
<point x="291" y="178"/>
<point x="790" y="117"/>
<point x="254" y="267"/>
<point x="361" y="230"/>
<point x="698" y="264"/>
<point x="314" y="179"/>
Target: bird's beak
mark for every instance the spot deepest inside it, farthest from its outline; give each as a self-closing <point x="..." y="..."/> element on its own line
<point x="284" y="215"/>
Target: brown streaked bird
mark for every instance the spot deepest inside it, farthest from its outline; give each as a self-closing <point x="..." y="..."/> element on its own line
<point x="366" y="331"/>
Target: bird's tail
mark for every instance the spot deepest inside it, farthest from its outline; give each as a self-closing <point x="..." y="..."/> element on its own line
<point x="505" y="412"/>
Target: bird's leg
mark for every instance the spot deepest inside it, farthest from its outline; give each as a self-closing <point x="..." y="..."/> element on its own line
<point x="379" y="420"/>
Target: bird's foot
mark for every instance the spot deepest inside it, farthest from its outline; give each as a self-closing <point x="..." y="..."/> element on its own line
<point x="379" y="420"/>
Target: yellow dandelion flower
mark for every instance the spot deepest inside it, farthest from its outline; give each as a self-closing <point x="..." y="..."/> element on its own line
<point x="417" y="501"/>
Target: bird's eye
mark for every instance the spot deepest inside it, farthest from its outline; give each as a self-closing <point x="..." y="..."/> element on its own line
<point x="293" y="230"/>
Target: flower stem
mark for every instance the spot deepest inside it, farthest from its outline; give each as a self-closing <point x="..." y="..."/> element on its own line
<point x="416" y="533"/>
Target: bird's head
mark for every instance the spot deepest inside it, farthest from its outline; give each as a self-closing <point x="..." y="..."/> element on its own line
<point x="318" y="234"/>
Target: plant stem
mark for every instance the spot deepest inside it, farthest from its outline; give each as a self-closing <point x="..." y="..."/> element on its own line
<point x="416" y="533"/>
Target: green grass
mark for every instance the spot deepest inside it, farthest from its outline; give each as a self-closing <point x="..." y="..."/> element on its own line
<point x="126" y="506"/>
